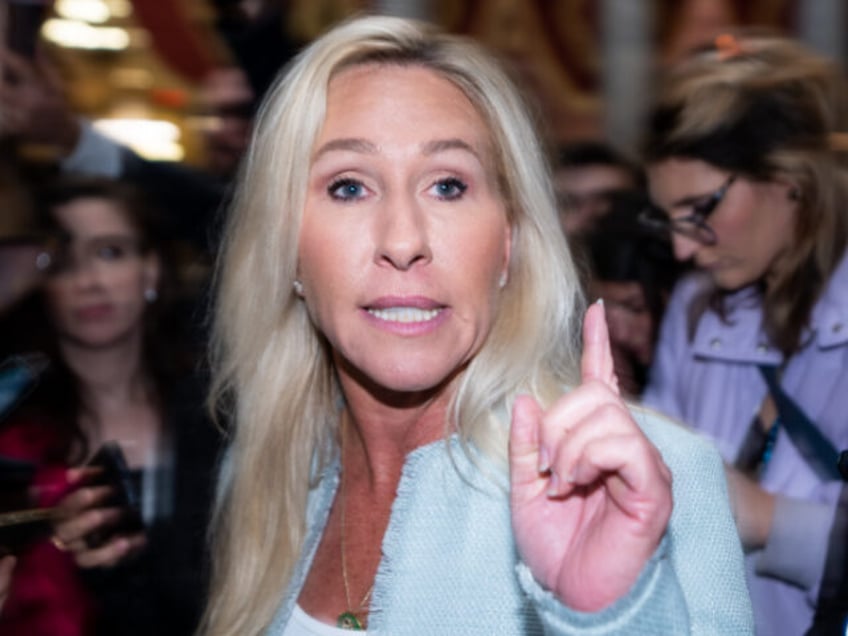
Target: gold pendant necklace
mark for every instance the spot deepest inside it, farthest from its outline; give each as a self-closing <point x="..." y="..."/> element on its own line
<point x="349" y="619"/>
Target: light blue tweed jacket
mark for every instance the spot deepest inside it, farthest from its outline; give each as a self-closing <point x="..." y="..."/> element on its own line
<point x="450" y="565"/>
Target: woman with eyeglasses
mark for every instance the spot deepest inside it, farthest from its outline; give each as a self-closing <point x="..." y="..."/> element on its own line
<point x="745" y="173"/>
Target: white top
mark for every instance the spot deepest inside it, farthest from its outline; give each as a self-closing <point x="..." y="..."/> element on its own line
<point x="302" y="624"/>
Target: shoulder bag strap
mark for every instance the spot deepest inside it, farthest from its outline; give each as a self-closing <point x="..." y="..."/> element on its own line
<point x="814" y="447"/>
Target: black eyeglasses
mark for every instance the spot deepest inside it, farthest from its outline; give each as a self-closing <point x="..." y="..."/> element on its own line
<point x="693" y="226"/>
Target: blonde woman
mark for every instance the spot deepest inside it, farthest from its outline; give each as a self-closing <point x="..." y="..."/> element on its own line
<point x="396" y="328"/>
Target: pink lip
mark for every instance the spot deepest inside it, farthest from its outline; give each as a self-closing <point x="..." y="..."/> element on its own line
<point x="708" y="265"/>
<point x="406" y="328"/>
<point x="94" y="312"/>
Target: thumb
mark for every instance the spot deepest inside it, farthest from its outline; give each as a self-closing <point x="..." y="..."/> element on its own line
<point x="596" y="363"/>
<point x="524" y="440"/>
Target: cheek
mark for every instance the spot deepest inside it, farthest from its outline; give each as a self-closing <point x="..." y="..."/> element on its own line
<point x="475" y="292"/>
<point x="619" y="323"/>
<point x="59" y="298"/>
<point x="331" y="269"/>
<point x="732" y="232"/>
<point x="645" y="327"/>
<point x="129" y="287"/>
<point x="327" y="259"/>
<point x="480" y="252"/>
<point x="751" y="219"/>
<point x="488" y="263"/>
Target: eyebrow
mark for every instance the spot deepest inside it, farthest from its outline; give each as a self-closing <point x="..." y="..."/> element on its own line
<point x="692" y="199"/>
<point x="356" y="144"/>
<point x="441" y="145"/>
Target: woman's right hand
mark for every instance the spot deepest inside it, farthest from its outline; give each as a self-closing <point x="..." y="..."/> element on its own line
<point x="81" y="513"/>
<point x="590" y="494"/>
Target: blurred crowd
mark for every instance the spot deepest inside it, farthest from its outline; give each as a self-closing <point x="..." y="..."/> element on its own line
<point x="719" y="253"/>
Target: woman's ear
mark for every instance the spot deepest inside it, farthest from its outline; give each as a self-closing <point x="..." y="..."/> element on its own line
<point x="794" y="191"/>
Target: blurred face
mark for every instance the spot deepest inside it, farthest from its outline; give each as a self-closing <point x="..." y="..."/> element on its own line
<point x="405" y="239"/>
<point x="582" y="194"/>
<point x="631" y="326"/>
<point x="227" y="94"/>
<point x="96" y="291"/>
<point x="754" y="223"/>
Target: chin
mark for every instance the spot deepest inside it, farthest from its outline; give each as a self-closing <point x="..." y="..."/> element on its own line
<point x="731" y="281"/>
<point x="407" y="377"/>
<point x="412" y="381"/>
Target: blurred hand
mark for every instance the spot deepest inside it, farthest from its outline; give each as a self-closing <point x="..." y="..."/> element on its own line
<point x="82" y="512"/>
<point x="7" y="565"/>
<point x="753" y="509"/>
<point x="33" y="107"/>
<point x="590" y="495"/>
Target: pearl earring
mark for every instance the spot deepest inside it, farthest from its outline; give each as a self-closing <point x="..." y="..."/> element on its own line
<point x="150" y="295"/>
<point x="502" y="280"/>
<point x="298" y="287"/>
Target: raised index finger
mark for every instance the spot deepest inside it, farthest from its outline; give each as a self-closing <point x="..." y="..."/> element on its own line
<point x="596" y="362"/>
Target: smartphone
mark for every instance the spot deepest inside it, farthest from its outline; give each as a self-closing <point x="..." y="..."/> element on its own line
<point x="113" y="472"/>
<point x="23" y="23"/>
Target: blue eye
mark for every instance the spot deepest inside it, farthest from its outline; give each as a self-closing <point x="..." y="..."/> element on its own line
<point x="346" y="189"/>
<point x="450" y="189"/>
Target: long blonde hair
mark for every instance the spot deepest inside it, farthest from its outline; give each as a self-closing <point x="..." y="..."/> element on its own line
<point x="272" y="368"/>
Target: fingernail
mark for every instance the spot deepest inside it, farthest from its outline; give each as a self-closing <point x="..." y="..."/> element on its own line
<point x="553" y="485"/>
<point x="544" y="460"/>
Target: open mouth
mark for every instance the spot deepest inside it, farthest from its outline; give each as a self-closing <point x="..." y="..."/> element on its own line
<point x="404" y="314"/>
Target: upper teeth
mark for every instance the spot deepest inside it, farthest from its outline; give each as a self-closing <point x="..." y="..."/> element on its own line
<point x="404" y="314"/>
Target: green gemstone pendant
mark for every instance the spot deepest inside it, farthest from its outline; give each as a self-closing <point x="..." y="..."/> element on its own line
<point x="348" y="620"/>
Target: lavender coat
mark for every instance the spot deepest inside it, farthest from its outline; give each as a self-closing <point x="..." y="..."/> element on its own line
<point x="712" y="383"/>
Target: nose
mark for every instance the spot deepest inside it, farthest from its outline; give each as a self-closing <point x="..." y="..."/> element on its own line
<point x="402" y="233"/>
<point x="684" y="247"/>
<point x="84" y="274"/>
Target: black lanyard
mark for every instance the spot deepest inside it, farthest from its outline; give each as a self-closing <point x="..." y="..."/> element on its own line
<point x="814" y="447"/>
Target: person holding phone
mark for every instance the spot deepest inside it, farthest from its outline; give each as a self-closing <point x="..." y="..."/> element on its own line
<point x="419" y="445"/>
<point x="119" y="405"/>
